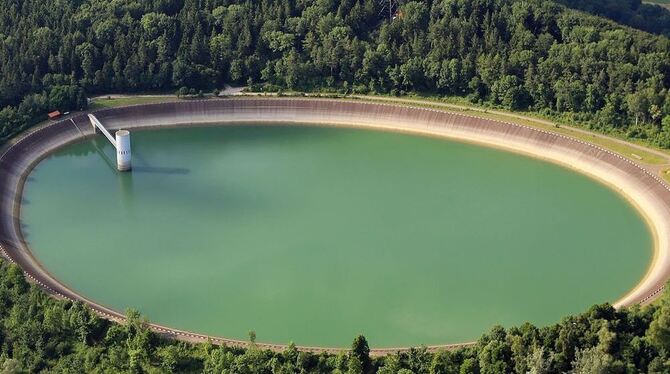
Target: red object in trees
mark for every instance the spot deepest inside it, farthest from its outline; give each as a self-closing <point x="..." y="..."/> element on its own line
<point x="54" y="114"/>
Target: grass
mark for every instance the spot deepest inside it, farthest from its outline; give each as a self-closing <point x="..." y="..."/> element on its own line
<point x="102" y="103"/>
<point x="624" y="150"/>
<point x="665" y="173"/>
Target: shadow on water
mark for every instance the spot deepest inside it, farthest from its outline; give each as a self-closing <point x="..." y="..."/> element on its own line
<point x="160" y="170"/>
<point x="25" y="231"/>
<point x="127" y="190"/>
<point x="228" y="199"/>
<point x="248" y="134"/>
<point x="108" y="161"/>
<point x="140" y="165"/>
<point x="271" y="134"/>
<point x="165" y="138"/>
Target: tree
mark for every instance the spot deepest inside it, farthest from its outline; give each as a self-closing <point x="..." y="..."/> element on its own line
<point x="355" y="366"/>
<point x="520" y="55"/>
<point x="444" y="362"/>
<point x="659" y="329"/>
<point x="361" y="352"/>
<point x="594" y="361"/>
<point x="538" y="363"/>
<point x="182" y="92"/>
<point x="509" y="92"/>
<point x="43" y="334"/>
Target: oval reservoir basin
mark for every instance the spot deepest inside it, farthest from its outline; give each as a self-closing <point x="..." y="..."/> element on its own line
<point x="315" y="235"/>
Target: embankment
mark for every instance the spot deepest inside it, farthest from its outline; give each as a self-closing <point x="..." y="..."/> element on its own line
<point x="648" y="193"/>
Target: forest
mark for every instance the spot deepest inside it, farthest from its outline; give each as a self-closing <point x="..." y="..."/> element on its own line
<point x="41" y="334"/>
<point x="525" y="55"/>
<point x="648" y="17"/>
<point x="534" y="55"/>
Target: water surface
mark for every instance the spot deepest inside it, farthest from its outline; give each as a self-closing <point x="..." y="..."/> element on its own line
<point x="315" y="235"/>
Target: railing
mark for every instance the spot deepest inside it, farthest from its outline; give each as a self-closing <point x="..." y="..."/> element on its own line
<point x="96" y="123"/>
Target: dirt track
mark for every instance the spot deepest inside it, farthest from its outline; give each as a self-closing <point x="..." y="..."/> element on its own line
<point x="646" y="191"/>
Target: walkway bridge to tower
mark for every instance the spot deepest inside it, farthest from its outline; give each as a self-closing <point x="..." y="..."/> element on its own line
<point x="121" y="141"/>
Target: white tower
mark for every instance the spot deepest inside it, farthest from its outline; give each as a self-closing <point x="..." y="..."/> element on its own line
<point x="123" y="155"/>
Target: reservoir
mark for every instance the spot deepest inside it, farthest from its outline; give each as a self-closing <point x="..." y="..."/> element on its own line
<point x="314" y="235"/>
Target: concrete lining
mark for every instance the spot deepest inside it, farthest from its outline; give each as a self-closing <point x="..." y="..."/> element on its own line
<point x="645" y="191"/>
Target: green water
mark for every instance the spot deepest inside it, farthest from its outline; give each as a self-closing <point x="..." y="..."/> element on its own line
<point x="315" y="235"/>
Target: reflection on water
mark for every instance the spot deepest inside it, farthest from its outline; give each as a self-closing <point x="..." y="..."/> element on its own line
<point x="158" y="170"/>
<point x="127" y="191"/>
<point x="108" y="160"/>
<point x="106" y="153"/>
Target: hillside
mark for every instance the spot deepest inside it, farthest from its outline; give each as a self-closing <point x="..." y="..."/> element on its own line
<point x="523" y="55"/>
<point x="649" y="16"/>
<point x="41" y="334"/>
<point x="663" y="3"/>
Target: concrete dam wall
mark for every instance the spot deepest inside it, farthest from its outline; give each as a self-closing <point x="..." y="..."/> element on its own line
<point x="648" y="193"/>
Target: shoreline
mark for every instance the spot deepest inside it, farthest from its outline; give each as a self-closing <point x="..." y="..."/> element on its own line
<point x="648" y="194"/>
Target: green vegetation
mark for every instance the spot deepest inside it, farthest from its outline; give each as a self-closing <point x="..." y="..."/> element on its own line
<point x="663" y="3"/>
<point x="665" y="173"/>
<point x="34" y="108"/>
<point x="112" y="102"/>
<point x="521" y="55"/>
<point x="634" y="13"/>
<point x="42" y="334"/>
<point x="658" y="1"/>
